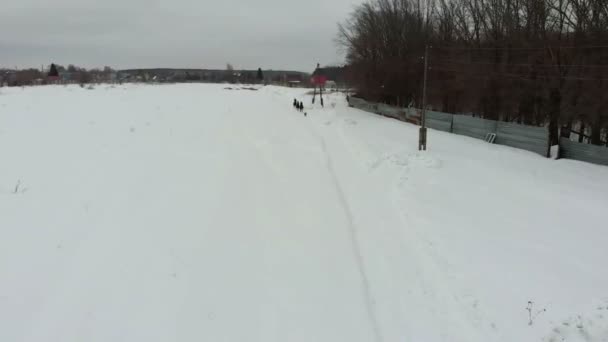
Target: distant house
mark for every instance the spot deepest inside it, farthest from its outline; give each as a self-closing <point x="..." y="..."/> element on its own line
<point x="293" y="79"/>
<point x="65" y="76"/>
<point x="335" y="76"/>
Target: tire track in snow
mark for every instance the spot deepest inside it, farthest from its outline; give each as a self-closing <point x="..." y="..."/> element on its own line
<point x="355" y="245"/>
<point x="434" y="270"/>
<point x="367" y="293"/>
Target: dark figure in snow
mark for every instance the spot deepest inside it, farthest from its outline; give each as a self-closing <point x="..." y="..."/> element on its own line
<point x="301" y="106"/>
<point x="295" y="103"/>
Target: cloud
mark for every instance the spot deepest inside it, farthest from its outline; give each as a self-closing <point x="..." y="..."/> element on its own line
<point x="279" y="34"/>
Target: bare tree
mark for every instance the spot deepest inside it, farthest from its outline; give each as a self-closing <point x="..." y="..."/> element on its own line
<point x="531" y="61"/>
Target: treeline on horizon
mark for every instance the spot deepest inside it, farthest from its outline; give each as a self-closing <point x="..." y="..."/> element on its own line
<point x="30" y="76"/>
<point x="76" y="74"/>
<point x="538" y="62"/>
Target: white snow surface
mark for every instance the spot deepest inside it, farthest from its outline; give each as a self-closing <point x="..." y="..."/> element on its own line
<point x="196" y="213"/>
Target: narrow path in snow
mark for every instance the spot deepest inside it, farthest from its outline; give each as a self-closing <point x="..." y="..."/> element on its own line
<point x="351" y="228"/>
<point x="352" y="233"/>
<point x="368" y="295"/>
<point x="385" y="239"/>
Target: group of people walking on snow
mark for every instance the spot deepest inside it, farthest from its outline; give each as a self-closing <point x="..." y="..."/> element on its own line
<point x="298" y="105"/>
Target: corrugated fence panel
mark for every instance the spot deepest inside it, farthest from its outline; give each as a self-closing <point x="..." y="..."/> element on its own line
<point x="530" y="138"/>
<point x="391" y="112"/>
<point x="473" y="127"/>
<point x="439" y="121"/>
<point x="357" y="103"/>
<point x="378" y="108"/>
<point x="412" y="113"/>
<point x="363" y="105"/>
<point x="583" y="152"/>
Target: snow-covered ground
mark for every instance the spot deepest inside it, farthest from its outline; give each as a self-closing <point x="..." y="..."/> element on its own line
<point x="197" y="213"/>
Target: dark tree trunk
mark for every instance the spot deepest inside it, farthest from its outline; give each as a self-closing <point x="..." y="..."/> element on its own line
<point x="567" y="129"/>
<point x="596" y="131"/>
<point x="555" y="100"/>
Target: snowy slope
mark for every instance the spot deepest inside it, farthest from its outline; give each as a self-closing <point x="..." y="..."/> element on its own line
<point x="193" y="212"/>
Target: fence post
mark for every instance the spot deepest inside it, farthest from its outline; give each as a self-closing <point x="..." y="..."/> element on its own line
<point x="422" y="134"/>
<point x="549" y="145"/>
<point x="452" y="123"/>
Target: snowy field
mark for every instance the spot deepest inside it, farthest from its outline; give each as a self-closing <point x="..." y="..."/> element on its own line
<point x="197" y="213"/>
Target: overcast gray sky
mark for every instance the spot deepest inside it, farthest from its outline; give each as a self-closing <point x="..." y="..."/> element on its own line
<point x="272" y="34"/>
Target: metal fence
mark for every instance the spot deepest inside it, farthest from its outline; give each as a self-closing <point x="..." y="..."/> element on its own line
<point x="439" y="121"/>
<point x="583" y="152"/>
<point x="530" y="138"/>
<point x="473" y="127"/>
<point x="390" y="111"/>
<point x="359" y="104"/>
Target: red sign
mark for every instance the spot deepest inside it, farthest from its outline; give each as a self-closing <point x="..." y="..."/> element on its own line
<point x="319" y="80"/>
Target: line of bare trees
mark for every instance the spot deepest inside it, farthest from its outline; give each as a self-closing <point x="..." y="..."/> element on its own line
<point x="71" y="74"/>
<point x="530" y="61"/>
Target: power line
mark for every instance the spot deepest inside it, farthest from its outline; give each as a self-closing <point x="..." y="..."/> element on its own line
<point x="583" y="47"/>
<point x="527" y="78"/>
<point x="525" y="64"/>
<point x="522" y="77"/>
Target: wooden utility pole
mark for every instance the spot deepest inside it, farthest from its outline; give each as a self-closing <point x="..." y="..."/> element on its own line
<point x="422" y="134"/>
